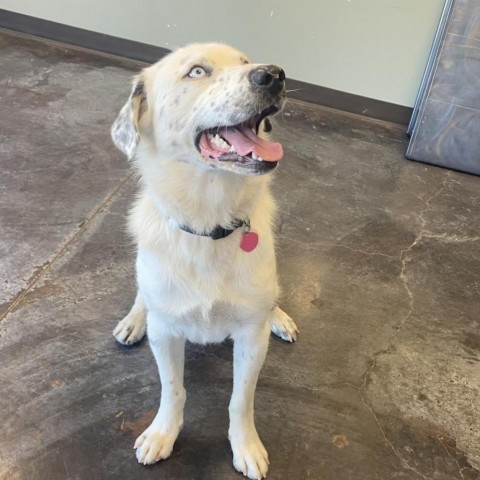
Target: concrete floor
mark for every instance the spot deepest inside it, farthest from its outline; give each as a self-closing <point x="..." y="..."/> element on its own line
<point x="379" y="260"/>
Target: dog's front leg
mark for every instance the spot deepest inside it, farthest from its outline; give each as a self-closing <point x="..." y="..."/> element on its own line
<point x="156" y="442"/>
<point x="249" y="454"/>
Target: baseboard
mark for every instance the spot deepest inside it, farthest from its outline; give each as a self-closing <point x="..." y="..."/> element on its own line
<point x="81" y="37"/>
<point x="348" y="102"/>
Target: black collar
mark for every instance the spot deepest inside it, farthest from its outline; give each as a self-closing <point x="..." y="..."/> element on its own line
<point x="218" y="232"/>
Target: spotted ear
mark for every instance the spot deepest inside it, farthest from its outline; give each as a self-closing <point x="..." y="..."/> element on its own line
<point x="125" y="131"/>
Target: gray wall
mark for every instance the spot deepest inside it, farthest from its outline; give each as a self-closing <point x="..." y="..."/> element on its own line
<point x="375" y="48"/>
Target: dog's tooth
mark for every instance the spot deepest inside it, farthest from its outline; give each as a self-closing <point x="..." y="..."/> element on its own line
<point x="254" y="156"/>
<point x="222" y="143"/>
<point x="218" y="141"/>
<point x="260" y="159"/>
<point x="233" y="149"/>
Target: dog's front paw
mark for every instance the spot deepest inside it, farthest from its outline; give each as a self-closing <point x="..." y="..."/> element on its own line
<point x="283" y="326"/>
<point x="131" y="329"/>
<point x="153" y="446"/>
<point x="250" y="457"/>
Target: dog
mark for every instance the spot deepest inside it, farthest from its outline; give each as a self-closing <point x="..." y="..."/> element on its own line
<point x="195" y="128"/>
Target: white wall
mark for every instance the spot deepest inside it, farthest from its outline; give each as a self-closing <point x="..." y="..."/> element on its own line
<point x="375" y="48"/>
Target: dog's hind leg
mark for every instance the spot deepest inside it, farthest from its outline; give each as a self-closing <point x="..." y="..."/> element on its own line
<point x="282" y="325"/>
<point x="131" y="329"/>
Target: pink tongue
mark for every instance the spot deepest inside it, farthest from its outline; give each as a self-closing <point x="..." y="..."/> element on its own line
<point x="246" y="141"/>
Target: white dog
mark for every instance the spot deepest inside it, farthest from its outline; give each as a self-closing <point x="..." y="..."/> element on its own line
<point x="203" y="225"/>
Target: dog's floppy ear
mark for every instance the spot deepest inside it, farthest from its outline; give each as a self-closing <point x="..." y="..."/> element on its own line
<point x="125" y="131"/>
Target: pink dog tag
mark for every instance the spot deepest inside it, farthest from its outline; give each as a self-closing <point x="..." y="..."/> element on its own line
<point x="249" y="241"/>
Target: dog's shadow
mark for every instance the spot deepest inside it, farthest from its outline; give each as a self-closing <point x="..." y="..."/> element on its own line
<point x="201" y="456"/>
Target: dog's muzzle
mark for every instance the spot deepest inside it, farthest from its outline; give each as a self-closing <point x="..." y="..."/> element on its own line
<point x="239" y="145"/>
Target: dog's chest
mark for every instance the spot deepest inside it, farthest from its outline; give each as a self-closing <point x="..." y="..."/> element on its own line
<point x="205" y="299"/>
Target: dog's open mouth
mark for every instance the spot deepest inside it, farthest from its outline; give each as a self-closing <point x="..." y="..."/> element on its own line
<point x="240" y="143"/>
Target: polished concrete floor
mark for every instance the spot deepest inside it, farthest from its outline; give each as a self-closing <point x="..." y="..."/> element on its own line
<point x="380" y="263"/>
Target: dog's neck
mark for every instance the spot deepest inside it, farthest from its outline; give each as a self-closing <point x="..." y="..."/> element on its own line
<point x="202" y="198"/>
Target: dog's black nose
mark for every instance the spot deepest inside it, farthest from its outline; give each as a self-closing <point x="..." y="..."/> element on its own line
<point x="268" y="78"/>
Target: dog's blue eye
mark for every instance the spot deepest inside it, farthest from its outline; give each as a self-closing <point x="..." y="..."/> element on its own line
<point x="196" y="72"/>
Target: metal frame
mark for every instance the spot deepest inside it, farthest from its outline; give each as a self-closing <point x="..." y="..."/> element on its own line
<point x="432" y="60"/>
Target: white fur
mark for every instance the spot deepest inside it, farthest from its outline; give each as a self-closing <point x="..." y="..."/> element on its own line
<point x="193" y="287"/>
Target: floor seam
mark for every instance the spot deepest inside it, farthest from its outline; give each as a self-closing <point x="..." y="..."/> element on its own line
<point x="404" y="258"/>
<point x="17" y="299"/>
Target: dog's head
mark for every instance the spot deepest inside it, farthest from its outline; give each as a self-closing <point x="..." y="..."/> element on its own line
<point x="205" y="104"/>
